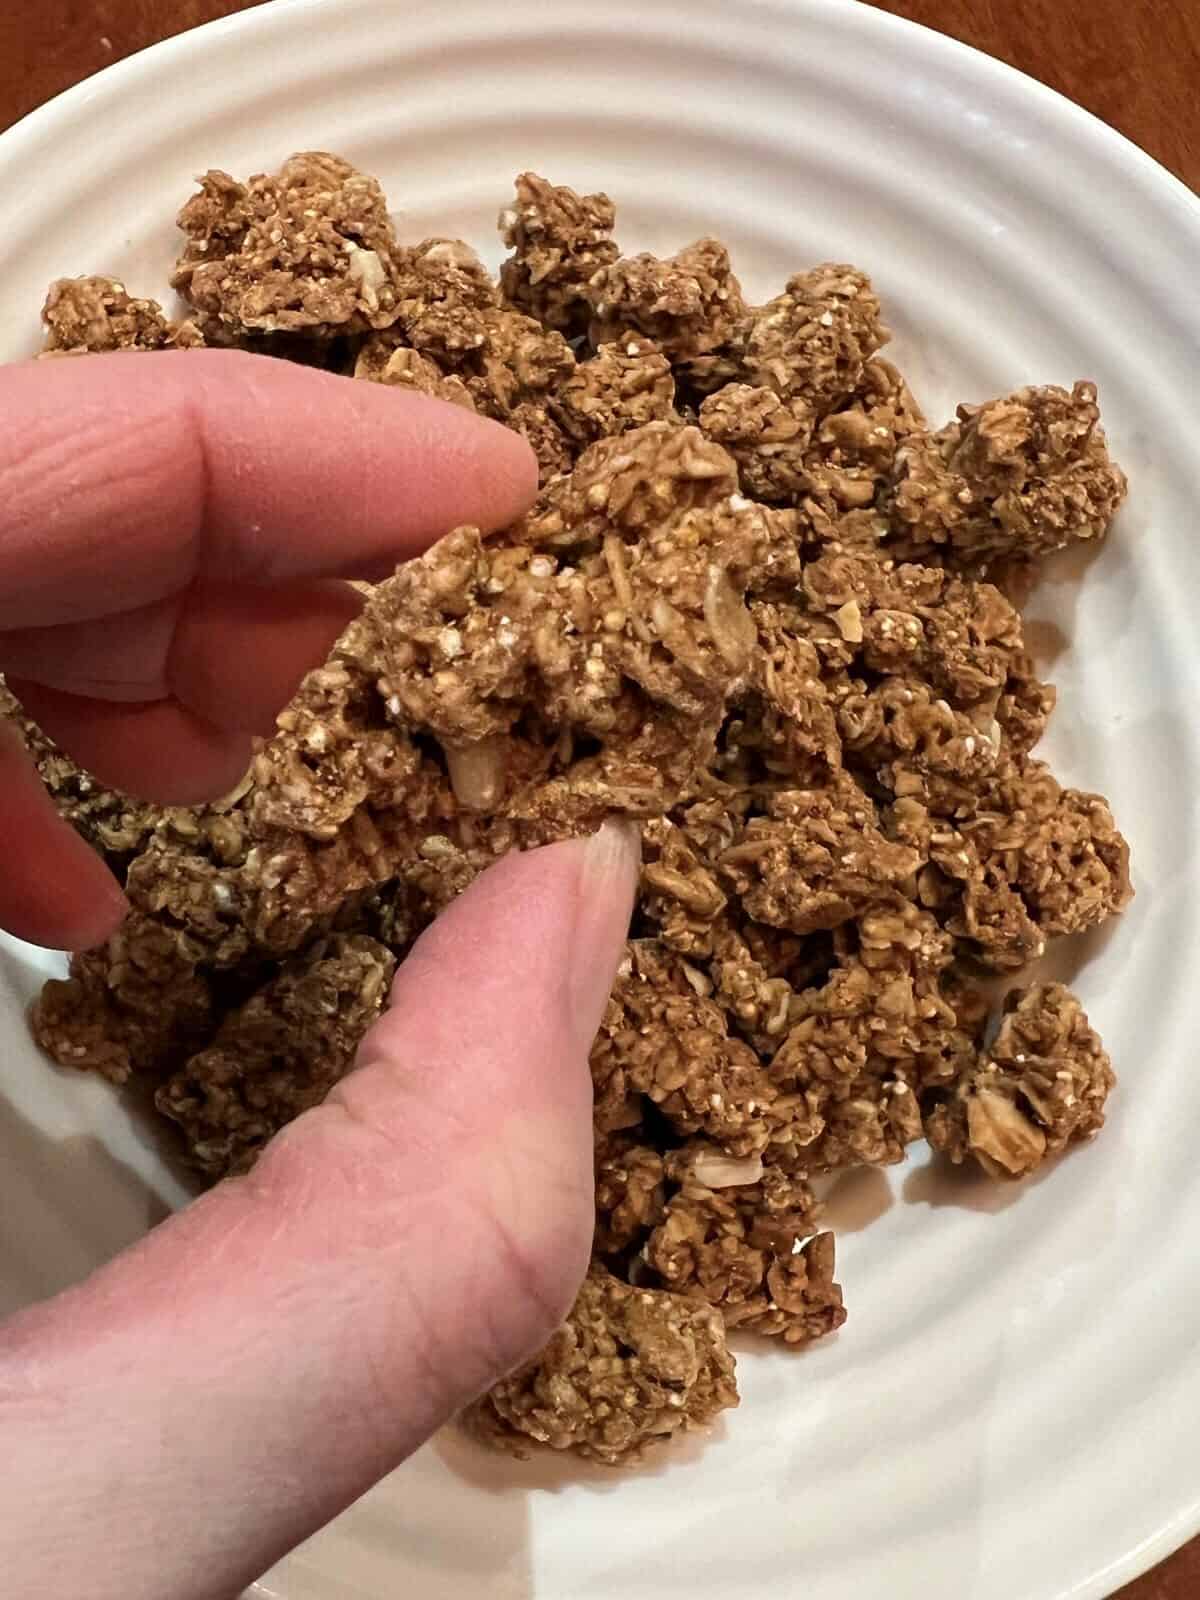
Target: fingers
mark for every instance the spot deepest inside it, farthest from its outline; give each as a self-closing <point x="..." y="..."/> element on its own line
<point x="163" y="519"/>
<point x="127" y="477"/>
<point x="161" y="702"/>
<point x="260" y="1359"/>
<point x="118" y="657"/>
<point x="232" y="655"/>
<point x="159" y="751"/>
<point x="54" y="889"/>
<point x="239" y="654"/>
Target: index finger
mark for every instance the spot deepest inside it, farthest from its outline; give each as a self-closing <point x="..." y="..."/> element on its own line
<point x="123" y="478"/>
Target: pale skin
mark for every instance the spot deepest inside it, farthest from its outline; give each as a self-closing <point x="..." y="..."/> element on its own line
<point x="173" y="535"/>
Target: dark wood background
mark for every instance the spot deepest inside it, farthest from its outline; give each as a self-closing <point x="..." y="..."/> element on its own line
<point x="1136" y="63"/>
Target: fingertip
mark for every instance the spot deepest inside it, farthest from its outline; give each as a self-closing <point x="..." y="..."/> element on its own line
<point x="100" y="915"/>
<point x="507" y="988"/>
<point x="508" y="475"/>
<point x="351" y="473"/>
<point x="608" y="879"/>
<point x="447" y="466"/>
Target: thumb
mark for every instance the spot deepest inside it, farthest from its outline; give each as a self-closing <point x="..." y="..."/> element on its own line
<point x="258" y="1361"/>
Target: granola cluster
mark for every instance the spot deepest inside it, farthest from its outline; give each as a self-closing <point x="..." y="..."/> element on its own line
<point x="97" y="314"/>
<point x="309" y="249"/>
<point x="628" y="1366"/>
<point x="753" y="608"/>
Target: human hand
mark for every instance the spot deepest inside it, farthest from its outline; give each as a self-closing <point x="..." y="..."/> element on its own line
<point x="171" y="533"/>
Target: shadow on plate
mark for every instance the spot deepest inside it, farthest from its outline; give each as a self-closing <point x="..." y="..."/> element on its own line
<point x="941" y="1183"/>
<point x="855" y="1199"/>
<point x="69" y="1205"/>
<point x="1067" y="958"/>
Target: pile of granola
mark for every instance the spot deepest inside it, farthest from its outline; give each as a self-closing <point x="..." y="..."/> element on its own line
<point x="760" y="606"/>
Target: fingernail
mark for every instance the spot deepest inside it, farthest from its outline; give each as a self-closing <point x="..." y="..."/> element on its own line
<point x="613" y="855"/>
<point x="608" y="881"/>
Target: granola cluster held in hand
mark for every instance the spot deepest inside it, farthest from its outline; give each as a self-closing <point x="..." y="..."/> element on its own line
<point x="761" y="607"/>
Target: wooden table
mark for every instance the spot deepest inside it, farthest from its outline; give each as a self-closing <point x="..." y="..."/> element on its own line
<point x="1136" y="63"/>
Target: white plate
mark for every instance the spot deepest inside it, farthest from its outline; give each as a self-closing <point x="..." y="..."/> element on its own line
<point x="1010" y="1413"/>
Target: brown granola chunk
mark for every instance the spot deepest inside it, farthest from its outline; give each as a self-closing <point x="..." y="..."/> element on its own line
<point x="688" y="303"/>
<point x="991" y="917"/>
<point x="1021" y="476"/>
<point x="183" y="885"/>
<point x="627" y="1368"/>
<point x="755" y="972"/>
<point x="497" y="360"/>
<point x="636" y="484"/>
<point x="680" y="891"/>
<point x="960" y="639"/>
<point x="559" y="240"/>
<point x="508" y="656"/>
<point x="545" y="435"/>
<point x="881" y="413"/>
<point x="848" y="466"/>
<point x="1042" y="1085"/>
<point x="864" y="1043"/>
<point x="442" y="291"/>
<point x="98" y="314"/>
<point x="334" y="753"/>
<point x="278" y="1054"/>
<point x="815" y="860"/>
<point x="1073" y="873"/>
<point x="382" y="360"/>
<point x="768" y="436"/>
<point x="740" y="1235"/>
<point x="241" y="890"/>
<point x="787" y="726"/>
<point x="813" y="341"/>
<point x="295" y="888"/>
<point x="1033" y="861"/>
<point x="511" y="374"/>
<point x="629" y="1191"/>
<point x="663" y="1038"/>
<point x="517" y="362"/>
<point x="624" y="385"/>
<point x="133" y="1006"/>
<point x="308" y="249"/>
<point x="928" y="674"/>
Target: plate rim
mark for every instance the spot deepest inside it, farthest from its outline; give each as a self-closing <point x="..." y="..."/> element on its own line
<point x="860" y="16"/>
